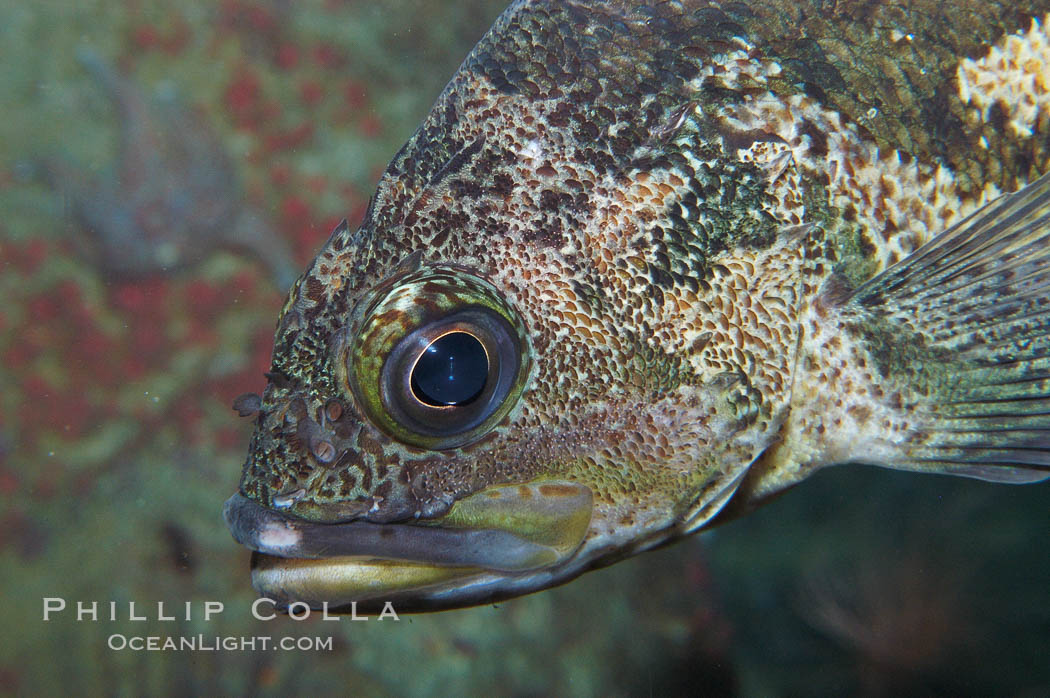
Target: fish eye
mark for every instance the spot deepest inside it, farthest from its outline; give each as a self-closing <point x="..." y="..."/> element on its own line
<point x="451" y="372"/>
<point x="439" y="359"/>
<point x="445" y="378"/>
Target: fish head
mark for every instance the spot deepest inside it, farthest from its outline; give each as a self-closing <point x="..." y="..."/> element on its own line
<point x="455" y="426"/>
<point x="517" y="369"/>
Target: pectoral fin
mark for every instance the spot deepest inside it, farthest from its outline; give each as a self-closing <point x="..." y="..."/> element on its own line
<point x="964" y="322"/>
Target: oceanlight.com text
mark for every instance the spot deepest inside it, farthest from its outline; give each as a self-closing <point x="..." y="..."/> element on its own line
<point x="213" y="643"/>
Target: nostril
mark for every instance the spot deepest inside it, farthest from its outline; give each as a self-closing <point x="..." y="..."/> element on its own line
<point x="333" y="410"/>
<point x="317" y="439"/>
<point x="323" y="450"/>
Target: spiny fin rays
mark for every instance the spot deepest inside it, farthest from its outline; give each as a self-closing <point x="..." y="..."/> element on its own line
<point x="968" y="318"/>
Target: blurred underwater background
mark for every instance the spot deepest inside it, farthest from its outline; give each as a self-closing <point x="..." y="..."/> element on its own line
<point x="130" y="321"/>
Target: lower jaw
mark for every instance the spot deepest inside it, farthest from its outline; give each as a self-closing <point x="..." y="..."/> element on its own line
<point x="360" y="583"/>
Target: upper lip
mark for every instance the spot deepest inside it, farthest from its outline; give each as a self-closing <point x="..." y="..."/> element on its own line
<point x="268" y="531"/>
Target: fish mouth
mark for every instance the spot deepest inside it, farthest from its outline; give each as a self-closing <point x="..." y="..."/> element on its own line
<point x="497" y="543"/>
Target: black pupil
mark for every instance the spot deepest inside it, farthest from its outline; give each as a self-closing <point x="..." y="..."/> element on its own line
<point x="451" y="371"/>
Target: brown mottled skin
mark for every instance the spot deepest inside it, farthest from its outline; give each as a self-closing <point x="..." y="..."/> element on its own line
<point x="839" y="53"/>
<point x="657" y="204"/>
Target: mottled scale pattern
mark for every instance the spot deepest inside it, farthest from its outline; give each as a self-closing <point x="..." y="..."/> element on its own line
<point x="662" y="191"/>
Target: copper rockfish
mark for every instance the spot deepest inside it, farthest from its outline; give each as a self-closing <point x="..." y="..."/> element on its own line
<point x="646" y="264"/>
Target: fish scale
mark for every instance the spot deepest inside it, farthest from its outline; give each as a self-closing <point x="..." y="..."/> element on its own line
<point x="701" y="222"/>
